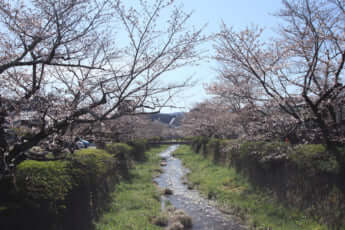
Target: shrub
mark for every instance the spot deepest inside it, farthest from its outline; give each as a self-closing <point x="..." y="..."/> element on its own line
<point x="155" y="139"/>
<point x="123" y="155"/>
<point x="89" y="166"/>
<point x="61" y="194"/>
<point x="315" y="158"/>
<point x="44" y="181"/>
<point x="308" y="177"/>
<point x="199" y="144"/>
<point x="53" y="181"/>
<point x="213" y="148"/>
<point x="42" y="193"/>
<point x="119" y="148"/>
<point x="95" y="174"/>
<point x="138" y="149"/>
<point x="263" y="151"/>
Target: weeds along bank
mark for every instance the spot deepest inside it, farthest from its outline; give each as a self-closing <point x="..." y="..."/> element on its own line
<point x="66" y="194"/>
<point x="306" y="177"/>
<point x="136" y="202"/>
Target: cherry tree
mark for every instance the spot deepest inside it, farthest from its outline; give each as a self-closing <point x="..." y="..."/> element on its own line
<point x="300" y="72"/>
<point x="211" y="119"/>
<point x="64" y="63"/>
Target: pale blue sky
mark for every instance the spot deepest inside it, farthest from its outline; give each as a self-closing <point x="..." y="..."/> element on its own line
<point x="235" y="13"/>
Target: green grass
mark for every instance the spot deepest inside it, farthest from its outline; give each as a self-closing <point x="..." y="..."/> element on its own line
<point x="137" y="201"/>
<point x="234" y="194"/>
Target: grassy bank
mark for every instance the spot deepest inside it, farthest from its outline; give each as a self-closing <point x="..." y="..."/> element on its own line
<point x="235" y="195"/>
<point x="136" y="201"/>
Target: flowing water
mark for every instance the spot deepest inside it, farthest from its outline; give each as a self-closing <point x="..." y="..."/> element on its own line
<point x="204" y="214"/>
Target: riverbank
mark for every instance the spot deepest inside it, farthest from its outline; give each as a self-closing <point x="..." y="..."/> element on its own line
<point x="137" y="201"/>
<point x="234" y="194"/>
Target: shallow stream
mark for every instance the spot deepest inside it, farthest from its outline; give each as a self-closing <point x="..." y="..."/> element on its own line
<point x="204" y="214"/>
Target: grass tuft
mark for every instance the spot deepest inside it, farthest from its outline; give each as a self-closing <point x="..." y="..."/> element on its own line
<point x="136" y="203"/>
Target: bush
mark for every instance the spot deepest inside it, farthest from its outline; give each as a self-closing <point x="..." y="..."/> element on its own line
<point x="61" y="194"/>
<point x="199" y="144"/>
<point x="90" y="166"/>
<point x="213" y="148"/>
<point x="155" y="139"/>
<point x="41" y="193"/>
<point x="138" y="149"/>
<point x="119" y="148"/>
<point x="95" y="175"/>
<point x="263" y="152"/>
<point x="307" y="177"/>
<point x="44" y="181"/>
<point x="123" y="155"/>
<point x="315" y="158"/>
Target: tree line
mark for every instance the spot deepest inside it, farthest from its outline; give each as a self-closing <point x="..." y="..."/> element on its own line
<point x="289" y="88"/>
<point x="68" y="65"/>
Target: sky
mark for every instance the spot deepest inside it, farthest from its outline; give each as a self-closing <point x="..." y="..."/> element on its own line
<point x="235" y="13"/>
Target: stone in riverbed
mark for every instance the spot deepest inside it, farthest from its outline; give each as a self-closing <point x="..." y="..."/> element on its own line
<point x="161" y="220"/>
<point x="176" y="226"/>
<point x="183" y="218"/>
<point x="168" y="191"/>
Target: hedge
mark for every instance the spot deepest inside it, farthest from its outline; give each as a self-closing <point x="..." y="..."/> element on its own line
<point x="139" y="148"/>
<point x="308" y="177"/>
<point x="65" y="194"/>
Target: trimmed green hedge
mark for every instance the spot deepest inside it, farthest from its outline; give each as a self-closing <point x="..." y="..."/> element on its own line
<point x="44" y="180"/>
<point x="123" y="155"/>
<point x="138" y="149"/>
<point x="62" y="193"/>
<point x="119" y="149"/>
<point x="315" y="158"/>
<point x="91" y="165"/>
<point x="66" y="194"/>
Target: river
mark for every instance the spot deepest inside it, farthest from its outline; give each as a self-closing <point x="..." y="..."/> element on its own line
<point x="204" y="214"/>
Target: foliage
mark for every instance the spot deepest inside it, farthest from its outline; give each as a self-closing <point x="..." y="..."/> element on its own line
<point x="211" y="119"/>
<point x="155" y="139"/>
<point x="139" y="146"/>
<point x="117" y="149"/>
<point x="61" y="192"/>
<point x="264" y="152"/>
<point x="290" y="87"/>
<point x="123" y="155"/>
<point x="213" y="148"/>
<point x="312" y="158"/>
<point x="236" y="195"/>
<point x="307" y="177"/>
<point x="316" y="158"/>
<point x="44" y="180"/>
<point x="199" y="143"/>
<point x="64" y="64"/>
<point x="91" y="166"/>
<point x="128" y="128"/>
<point x="53" y="181"/>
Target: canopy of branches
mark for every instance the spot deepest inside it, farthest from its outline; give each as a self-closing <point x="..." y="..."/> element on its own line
<point x="68" y="62"/>
<point x="293" y="84"/>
